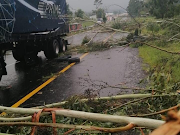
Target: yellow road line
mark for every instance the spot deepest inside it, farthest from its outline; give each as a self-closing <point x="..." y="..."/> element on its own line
<point x="84" y="55"/>
<point x="44" y="84"/>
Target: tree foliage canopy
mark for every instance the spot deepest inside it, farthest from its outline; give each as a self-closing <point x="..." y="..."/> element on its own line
<point x="69" y="12"/>
<point x="163" y="8"/>
<point x="98" y="3"/>
<point x="135" y="7"/>
<point x="101" y="14"/>
<point x="158" y="8"/>
<point x="79" y="13"/>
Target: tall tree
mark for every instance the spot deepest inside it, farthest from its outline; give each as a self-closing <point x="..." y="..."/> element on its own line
<point x="162" y="8"/>
<point x="79" y="13"/>
<point x="98" y="3"/>
<point x="134" y="7"/>
<point x="69" y="12"/>
<point x="100" y="13"/>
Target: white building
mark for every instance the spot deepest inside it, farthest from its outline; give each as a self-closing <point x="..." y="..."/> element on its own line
<point x="110" y="16"/>
<point x="93" y="17"/>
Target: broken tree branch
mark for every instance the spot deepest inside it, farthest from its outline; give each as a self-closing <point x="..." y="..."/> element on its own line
<point x="166" y="21"/>
<point x="127" y="96"/>
<point x="106" y="40"/>
<point x="109" y="28"/>
<point x="156" y="113"/>
<point x="80" y="127"/>
<point x="172" y="38"/>
<point x="92" y="39"/>
<point x="134" y="101"/>
<point x="141" y="122"/>
<point x="158" y="48"/>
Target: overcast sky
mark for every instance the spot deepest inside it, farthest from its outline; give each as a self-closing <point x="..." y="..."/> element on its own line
<point x="88" y="5"/>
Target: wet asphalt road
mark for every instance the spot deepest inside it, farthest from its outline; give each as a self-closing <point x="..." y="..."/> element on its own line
<point x="22" y="79"/>
<point x="114" y="66"/>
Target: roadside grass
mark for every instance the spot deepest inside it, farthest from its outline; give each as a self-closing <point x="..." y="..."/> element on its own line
<point x="164" y="68"/>
<point x="87" y="24"/>
<point x="170" y="64"/>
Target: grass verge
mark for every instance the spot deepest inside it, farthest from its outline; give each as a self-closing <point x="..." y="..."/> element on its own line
<point x="163" y="67"/>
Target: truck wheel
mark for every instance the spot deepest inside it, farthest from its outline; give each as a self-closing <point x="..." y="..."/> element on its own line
<point x="18" y="55"/>
<point x="63" y="45"/>
<point x="1" y="71"/>
<point x="52" y="49"/>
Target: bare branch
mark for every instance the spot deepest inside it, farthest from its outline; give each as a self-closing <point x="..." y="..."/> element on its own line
<point x="156" y="113"/>
<point x="80" y="127"/>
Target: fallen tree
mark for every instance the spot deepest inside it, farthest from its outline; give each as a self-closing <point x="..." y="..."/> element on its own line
<point x="139" y="122"/>
<point x="127" y="96"/>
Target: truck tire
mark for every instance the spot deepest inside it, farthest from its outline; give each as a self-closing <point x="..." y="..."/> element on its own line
<point x="1" y="71"/>
<point x="52" y="49"/>
<point x="62" y="45"/>
<point x="18" y="55"/>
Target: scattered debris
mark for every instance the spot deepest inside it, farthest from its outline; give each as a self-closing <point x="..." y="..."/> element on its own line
<point x="39" y="93"/>
<point x="75" y="59"/>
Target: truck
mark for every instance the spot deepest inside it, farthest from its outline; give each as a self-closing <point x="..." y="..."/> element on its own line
<point x="30" y="26"/>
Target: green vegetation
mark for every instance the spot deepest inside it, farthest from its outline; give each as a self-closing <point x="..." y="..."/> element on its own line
<point x="69" y="12"/>
<point x="135" y="7"/>
<point x="100" y="13"/>
<point x="97" y="3"/>
<point x="94" y="46"/>
<point x="163" y="8"/>
<point x="87" y="24"/>
<point x="86" y="39"/>
<point x="158" y="8"/>
<point x="79" y="13"/>
<point x="163" y="67"/>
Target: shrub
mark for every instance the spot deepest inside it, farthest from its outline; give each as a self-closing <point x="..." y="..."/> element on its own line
<point x="117" y="25"/>
<point x="153" y="27"/>
<point x="86" y="39"/>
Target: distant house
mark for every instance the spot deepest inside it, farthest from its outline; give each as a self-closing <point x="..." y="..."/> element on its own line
<point x="93" y="17"/>
<point x="110" y="16"/>
<point x="124" y="15"/>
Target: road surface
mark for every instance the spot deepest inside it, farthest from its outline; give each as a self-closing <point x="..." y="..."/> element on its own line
<point x="114" y="66"/>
